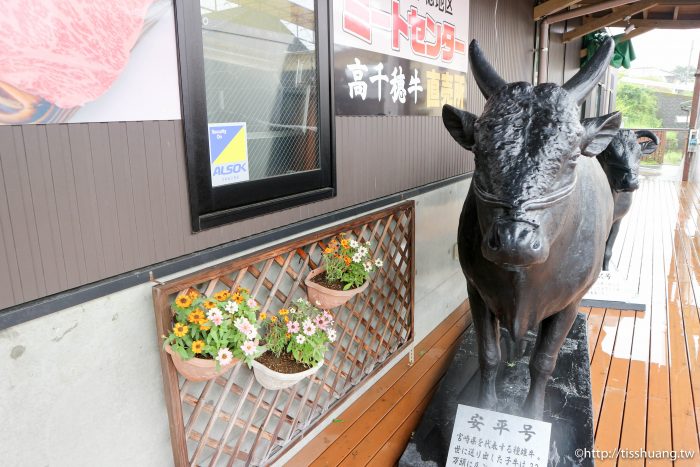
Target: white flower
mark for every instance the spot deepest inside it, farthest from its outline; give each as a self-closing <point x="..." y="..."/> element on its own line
<point x="309" y="327"/>
<point x="331" y="334"/>
<point x="252" y="303"/>
<point x="368" y="266"/>
<point x="362" y="250"/>
<point x="214" y="315"/>
<point x="246" y="327"/>
<point x="354" y="244"/>
<point x="224" y="356"/>
<point x="378" y="262"/>
<point x="249" y="347"/>
<point x="232" y="307"/>
<point x="301" y="339"/>
<point x="357" y="257"/>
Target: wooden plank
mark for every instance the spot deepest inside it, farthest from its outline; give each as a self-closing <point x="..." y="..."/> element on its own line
<point x="663" y="23"/>
<point x="335" y="431"/>
<point x="551" y="6"/>
<point x="609" y="425"/>
<point x="106" y="197"/>
<point x="86" y="195"/>
<point x="123" y="193"/>
<point x="139" y="180"/>
<point x="659" y="407"/>
<point x="156" y="189"/>
<point x="617" y="15"/>
<point x="64" y="184"/>
<point x="43" y="207"/>
<point x="595" y="322"/>
<point x="175" y="214"/>
<point x="600" y="365"/>
<point x="10" y="285"/>
<point x="634" y="33"/>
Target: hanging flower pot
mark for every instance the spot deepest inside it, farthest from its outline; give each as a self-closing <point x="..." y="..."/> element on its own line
<point x="271" y="379"/>
<point x="296" y="340"/>
<point x="211" y="334"/>
<point x="325" y="297"/>
<point x="199" y="369"/>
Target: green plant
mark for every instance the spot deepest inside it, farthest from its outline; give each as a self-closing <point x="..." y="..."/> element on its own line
<point x="638" y="106"/>
<point x="219" y="327"/>
<point x="303" y="331"/>
<point x="349" y="262"/>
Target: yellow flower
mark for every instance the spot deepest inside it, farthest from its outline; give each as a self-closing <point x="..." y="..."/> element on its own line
<point x="287" y="335"/>
<point x="222" y="296"/>
<point x="196" y="316"/>
<point x="183" y="301"/>
<point x="243" y="290"/>
<point x="286" y="320"/>
<point x="263" y="315"/>
<point x="197" y="346"/>
<point x="192" y="293"/>
<point x="180" y="329"/>
<point x="345" y="243"/>
<point x="328" y="250"/>
<point x="208" y="304"/>
<point x="273" y="319"/>
<point x="238" y="298"/>
<point x="283" y="312"/>
<point x="204" y="327"/>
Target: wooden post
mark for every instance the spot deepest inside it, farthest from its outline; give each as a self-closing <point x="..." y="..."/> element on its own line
<point x="692" y="122"/>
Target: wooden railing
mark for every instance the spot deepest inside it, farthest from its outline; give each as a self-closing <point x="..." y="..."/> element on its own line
<point x="232" y="420"/>
<point x="671" y="146"/>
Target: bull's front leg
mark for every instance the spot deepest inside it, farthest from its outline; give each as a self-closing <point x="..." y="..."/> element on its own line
<point x="550" y="338"/>
<point x="487" y="339"/>
<point x="609" y="244"/>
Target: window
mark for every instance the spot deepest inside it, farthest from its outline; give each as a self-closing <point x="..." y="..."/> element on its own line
<point x="255" y="79"/>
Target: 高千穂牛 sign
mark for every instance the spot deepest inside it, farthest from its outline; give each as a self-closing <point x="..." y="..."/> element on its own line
<point x="399" y="57"/>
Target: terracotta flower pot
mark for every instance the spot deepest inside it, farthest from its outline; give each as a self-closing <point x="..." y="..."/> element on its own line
<point x="326" y="298"/>
<point x="271" y="379"/>
<point x="198" y="369"/>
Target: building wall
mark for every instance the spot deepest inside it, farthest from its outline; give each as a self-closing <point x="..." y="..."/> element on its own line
<point x="83" y="386"/>
<point x="84" y="202"/>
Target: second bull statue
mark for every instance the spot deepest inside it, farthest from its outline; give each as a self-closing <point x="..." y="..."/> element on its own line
<point x="534" y="224"/>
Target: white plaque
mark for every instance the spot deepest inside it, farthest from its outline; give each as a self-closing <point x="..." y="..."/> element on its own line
<point x="483" y="438"/>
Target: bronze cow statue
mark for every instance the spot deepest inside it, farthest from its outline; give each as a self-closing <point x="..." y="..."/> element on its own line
<point x="534" y="224"/>
<point x="620" y="162"/>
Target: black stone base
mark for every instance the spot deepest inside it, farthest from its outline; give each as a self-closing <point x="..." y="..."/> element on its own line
<point x="567" y="403"/>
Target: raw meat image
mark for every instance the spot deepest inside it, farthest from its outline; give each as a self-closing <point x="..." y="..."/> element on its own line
<point x="58" y="55"/>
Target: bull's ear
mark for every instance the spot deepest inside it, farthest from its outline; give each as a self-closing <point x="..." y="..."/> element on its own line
<point x="460" y="124"/>
<point x="648" y="147"/>
<point x="598" y="132"/>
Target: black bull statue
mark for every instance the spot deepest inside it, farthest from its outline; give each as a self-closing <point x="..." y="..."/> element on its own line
<point x="534" y="224"/>
<point x="620" y="162"/>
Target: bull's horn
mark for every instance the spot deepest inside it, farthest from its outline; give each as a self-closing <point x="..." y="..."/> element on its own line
<point x="647" y="134"/>
<point x="587" y="77"/>
<point x="486" y="77"/>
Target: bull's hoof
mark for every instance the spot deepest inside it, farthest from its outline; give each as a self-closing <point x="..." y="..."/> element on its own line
<point x="533" y="407"/>
<point x="488" y="400"/>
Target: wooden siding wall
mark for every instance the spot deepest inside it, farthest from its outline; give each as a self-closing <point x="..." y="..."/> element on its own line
<point x="83" y="202"/>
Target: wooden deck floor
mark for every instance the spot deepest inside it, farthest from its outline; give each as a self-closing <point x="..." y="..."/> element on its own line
<point x="645" y="366"/>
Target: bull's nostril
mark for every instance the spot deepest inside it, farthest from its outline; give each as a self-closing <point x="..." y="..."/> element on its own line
<point x="494" y="242"/>
<point x="536" y="245"/>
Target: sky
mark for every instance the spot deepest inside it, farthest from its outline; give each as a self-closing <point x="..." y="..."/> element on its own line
<point x="665" y="48"/>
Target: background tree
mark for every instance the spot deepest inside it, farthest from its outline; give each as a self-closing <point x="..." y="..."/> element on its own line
<point x="638" y="106"/>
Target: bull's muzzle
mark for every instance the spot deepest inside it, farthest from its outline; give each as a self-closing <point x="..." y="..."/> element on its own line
<point x="514" y="243"/>
<point x="628" y="182"/>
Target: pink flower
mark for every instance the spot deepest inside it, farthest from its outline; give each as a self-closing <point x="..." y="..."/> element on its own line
<point x="309" y="328"/>
<point x="249" y="347"/>
<point x="320" y="321"/>
<point x="252" y="303"/>
<point x="214" y="315"/>
<point x="293" y="327"/>
<point x="224" y="356"/>
<point x="243" y="325"/>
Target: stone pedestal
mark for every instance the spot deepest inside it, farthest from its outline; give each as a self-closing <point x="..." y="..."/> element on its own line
<point x="567" y="404"/>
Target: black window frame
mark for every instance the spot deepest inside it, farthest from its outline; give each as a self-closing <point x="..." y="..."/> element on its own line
<point x="212" y="207"/>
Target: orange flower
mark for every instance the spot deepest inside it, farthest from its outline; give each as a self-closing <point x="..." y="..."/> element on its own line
<point x="180" y="329"/>
<point x="208" y="304"/>
<point x="192" y="293"/>
<point x="197" y="316"/>
<point x="273" y="319"/>
<point x="263" y="316"/>
<point x="347" y="260"/>
<point x="328" y="250"/>
<point x="222" y="296"/>
<point x="283" y="312"/>
<point x="238" y="298"/>
<point x="204" y="327"/>
<point x="183" y="301"/>
<point x="286" y="319"/>
<point x="344" y="243"/>
<point x="288" y="335"/>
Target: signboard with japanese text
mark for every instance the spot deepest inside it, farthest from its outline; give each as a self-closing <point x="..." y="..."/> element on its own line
<point x="228" y="153"/>
<point x="485" y="438"/>
<point x="399" y="57"/>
